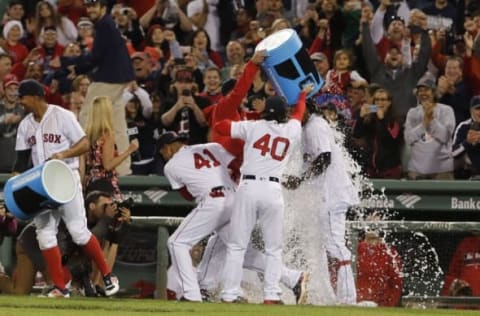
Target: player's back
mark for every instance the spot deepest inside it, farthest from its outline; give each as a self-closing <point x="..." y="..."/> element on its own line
<point x="267" y="145"/>
<point x="199" y="168"/>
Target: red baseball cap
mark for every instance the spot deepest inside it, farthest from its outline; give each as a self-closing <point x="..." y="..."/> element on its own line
<point x="10" y="79"/>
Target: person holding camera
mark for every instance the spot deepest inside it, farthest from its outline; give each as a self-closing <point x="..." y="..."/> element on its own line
<point x="183" y="109"/>
<point x="108" y="220"/>
<point x="466" y="142"/>
<point x="383" y="136"/>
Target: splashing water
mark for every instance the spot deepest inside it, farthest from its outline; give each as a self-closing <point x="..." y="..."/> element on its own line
<point x="304" y="245"/>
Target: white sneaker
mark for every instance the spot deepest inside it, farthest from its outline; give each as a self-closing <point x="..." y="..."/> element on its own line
<point x="55" y="292"/>
<point x="111" y="284"/>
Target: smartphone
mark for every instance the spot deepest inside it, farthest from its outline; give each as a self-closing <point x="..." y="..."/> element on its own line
<point x="179" y="61"/>
<point x="373" y="108"/>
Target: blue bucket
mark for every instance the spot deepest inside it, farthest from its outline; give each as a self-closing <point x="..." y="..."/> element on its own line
<point x="41" y="188"/>
<point x="288" y="65"/>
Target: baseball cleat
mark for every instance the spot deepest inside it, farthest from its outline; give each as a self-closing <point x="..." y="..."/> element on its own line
<point x="111" y="284"/>
<point x="55" y="292"/>
<point x="206" y="296"/>
<point x="238" y="300"/>
<point x="300" y="289"/>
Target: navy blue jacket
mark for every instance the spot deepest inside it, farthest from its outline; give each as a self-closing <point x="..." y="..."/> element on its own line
<point x="460" y="145"/>
<point x="109" y="60"/>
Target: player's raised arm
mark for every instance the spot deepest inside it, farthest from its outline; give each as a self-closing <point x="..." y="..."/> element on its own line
<point x="299" y="110"/>
<point x="223" y="127"/>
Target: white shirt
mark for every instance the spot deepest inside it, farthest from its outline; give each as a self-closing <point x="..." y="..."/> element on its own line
<point x="57" y="131"/>
<point x="268" y="145"/>
<point x="199" y="168"/>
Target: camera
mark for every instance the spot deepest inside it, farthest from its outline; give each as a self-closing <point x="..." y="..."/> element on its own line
<point x="186" y="93"/>
<point x="373" y="108"/>
<point x="128" y="203"/>
<point x="475" y="126"/>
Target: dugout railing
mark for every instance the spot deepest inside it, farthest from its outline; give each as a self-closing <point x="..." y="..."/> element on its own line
<point x="423" y="205"/>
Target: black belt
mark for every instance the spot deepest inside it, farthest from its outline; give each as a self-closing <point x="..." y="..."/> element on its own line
<point x="252" y="177"/>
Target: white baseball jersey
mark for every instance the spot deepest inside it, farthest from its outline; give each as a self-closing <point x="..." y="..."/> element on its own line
<point x="57" y="131"/>
<point x="199" y="168"/>
<point x="318" y="138"/>
<point x="267" y="144"/>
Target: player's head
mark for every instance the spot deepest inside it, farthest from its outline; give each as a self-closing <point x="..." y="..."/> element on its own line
<point x="275" y="109"/>
<point x="96" y="9"/>
<point x="30" y="93"/>
<point x="169" y="143"/>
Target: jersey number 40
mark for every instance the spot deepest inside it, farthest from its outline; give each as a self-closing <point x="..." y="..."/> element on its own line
<point x="277" y="147"/>
<point x="206" y="160"/>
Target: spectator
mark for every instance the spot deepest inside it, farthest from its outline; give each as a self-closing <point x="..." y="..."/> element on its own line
<point x="13" y="33"/>
<point x="47" y="15"/>
<point x="204" y="15"/>
<point x="211" y="79"/>
<point x="466" y="143"/>
<point x="243" y="18"/>
<point x="388" y="29"/>
<point x="49" y="52"/>
<point x="235" y="56"/>
<point x="392" y="73"/>
<point x="80" y="84"/>
<point x="337" y="80"/>
<point x="5" y="67"/>
<point x="383" y="136"/>
<point x="379" y="271"/>
<point x="102" y="158"/>
<point x="85" y="34"/>
<point x="472" y="60"/>
<point x="11" y="113"/>
<point x="162" y="44"/>
<point x="111" y="70"/>
<point x="127" y="22"/>
<point x="183" y="109"/>
<point x="145" y="74"/>
<point x="201" y="49"/>
<point x="15" y="11"/>
<point x="428" y="132"/>
<point x="138" y="110"/>
<point x="8" y="227"/>
<point x="76" y="102"/>
<point x="463" y="278"/>
<point x="453" y="91"/>
<point x="320" y="61"/>
<point x="72" y="9"/>
<point x="170" y="14"/>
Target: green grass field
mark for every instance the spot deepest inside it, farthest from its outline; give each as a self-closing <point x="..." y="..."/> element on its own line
<point x="33" y="306"/>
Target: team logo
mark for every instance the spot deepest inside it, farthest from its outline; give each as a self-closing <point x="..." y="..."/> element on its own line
<point x="52" y="138"/>
<point x="155" y="195"/>
<point x="408" y="200"/>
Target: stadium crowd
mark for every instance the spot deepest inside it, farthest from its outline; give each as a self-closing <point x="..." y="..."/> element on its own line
<point x="379" y="60"/>
<point x="402" y="78"/>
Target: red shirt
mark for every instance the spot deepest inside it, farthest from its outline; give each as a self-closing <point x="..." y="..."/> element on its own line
<point x="465" y="265"/>
<point x="378" y="274"/>
<point x="228" y="109"/>
<point x="19" y="52"/>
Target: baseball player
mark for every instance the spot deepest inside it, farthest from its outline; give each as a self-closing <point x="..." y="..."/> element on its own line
<point x="326" y="168"/>
<point x="199" y="172"/>
<point x="50" y="132"/>
<point x="268" y="144"/>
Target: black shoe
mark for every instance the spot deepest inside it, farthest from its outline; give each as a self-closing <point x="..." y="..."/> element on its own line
<point x="238" y="300"/>
<point x="300" y="289"/>
<point x="206" y="296"/>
